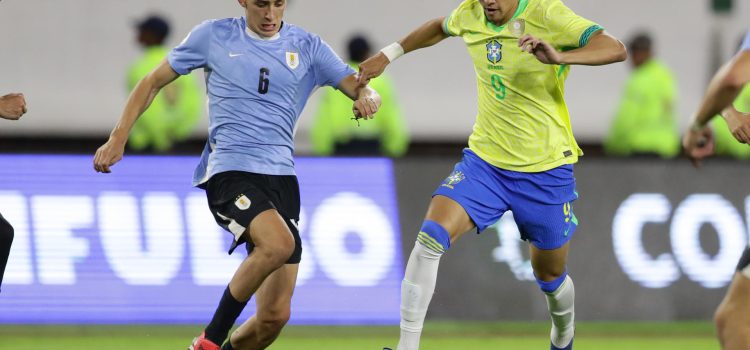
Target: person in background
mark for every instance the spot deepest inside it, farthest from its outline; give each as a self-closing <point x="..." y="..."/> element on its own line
<point x="724" y="143"/>
<point x="334" y="133"/>
<point x="645" y="121"/>
<point x="12" y="107"/>
<point x="174" y="113"/>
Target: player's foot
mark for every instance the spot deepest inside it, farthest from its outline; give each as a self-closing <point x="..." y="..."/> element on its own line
<point x="387" y="349"/>
<point x="201" y="343"/>
<point x="569" y="347"/>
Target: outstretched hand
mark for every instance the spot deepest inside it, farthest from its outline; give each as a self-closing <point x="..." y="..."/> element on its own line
<point x="543" y="51"/>
<point x="365" y="107"/>
<point x="107" y="155"/>
<point x="698" y="144"/>
<point x="372" y="67"/>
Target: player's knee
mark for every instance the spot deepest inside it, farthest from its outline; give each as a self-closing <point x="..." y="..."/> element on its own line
<point x="434" y="237"/>
<point x="272" y="322"/>
<point x="721" y="318"/>
<point x="549" y="281"/>
<point x="278" y="250"/>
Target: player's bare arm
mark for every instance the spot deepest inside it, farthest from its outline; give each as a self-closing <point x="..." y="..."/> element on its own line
<point x="12" y="106"/>
<point x="426" y="35"/>
<point x="601" y="49"/>
<point x="738" y="123"/>
<point x="366" y="100"/>
<point x="723" y="89"/>
<point x="138" y="101"/>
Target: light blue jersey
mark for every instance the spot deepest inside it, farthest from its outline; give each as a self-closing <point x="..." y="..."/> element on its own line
<point x="746" y="43"/>
<point x="256" y="91"/>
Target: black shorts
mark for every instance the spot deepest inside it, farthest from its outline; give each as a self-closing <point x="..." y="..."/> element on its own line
<point x="744" y="264"/>
<point x="237" y="197"/>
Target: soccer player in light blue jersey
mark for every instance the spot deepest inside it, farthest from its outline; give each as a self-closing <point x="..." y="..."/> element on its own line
<point x="260" y="72"/>
<point x="733" y="314"/>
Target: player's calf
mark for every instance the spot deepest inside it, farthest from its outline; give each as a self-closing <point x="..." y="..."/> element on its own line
<point x="560" y="294"/>
<point x="419" y="281"/>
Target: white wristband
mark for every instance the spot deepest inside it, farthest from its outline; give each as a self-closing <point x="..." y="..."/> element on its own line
<point x="393" y="51"/>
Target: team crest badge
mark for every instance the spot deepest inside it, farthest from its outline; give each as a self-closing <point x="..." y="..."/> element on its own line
<point x="242" y="202"/>
<point x="453" y="179"/>
<point x="292" y="59"/>
<point x="494" y="51"/>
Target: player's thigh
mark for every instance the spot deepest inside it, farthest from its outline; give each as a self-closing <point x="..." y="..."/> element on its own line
<point x="471" y="196"/>
<point x="270" y="229"/>
<point x="549" y="264"/>
<point x="545" y="226"/>
<point x="548" y="228"/>
<point x="247" y="205"/>
<point x="450" y="215"/>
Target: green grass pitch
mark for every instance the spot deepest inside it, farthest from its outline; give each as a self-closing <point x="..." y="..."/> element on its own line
<point x="437" y="336"/>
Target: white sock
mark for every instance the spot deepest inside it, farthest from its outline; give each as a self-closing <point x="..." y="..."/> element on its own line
<point x="561" y="309"/>
<point x="416" y="293"/>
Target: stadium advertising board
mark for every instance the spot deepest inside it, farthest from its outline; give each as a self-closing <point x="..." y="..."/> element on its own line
<point x="657" y="240"/>
<point x="140" y="246"/>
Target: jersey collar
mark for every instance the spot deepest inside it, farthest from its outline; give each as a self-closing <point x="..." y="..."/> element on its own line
<point x="255" y="36"/>
<point x="521" y="6"/>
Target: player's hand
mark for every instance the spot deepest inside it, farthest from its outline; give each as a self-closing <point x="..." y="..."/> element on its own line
<point x="365" y="107"/>
<point x="543" y="51"/>
<point x="739" y="124"/>
<point x="12" y="106"/>
<point x="372" y="67"/>
<point x="698" y="144"/>
<point x="107" y="155"/>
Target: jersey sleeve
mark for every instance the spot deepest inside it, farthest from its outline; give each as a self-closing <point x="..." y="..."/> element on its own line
<point x="452" y="24"/>
<point x="455" y="23"/>
<point x="746" y="43"/>
<point x="328" y="67"/>
<point x="192" y="53"/>
<point x="568" y="30"/>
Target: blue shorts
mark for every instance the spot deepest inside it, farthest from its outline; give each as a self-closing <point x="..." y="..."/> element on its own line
<point x="541" y="202"/>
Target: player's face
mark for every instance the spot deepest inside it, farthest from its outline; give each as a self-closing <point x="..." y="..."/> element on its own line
<point x="264" y="16"/>
<point x="498" y="11"/>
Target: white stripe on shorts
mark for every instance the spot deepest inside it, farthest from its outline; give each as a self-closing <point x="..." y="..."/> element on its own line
<point x="236" y="228"/>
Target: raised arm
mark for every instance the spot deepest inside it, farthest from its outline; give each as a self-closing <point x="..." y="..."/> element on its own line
<point x="138" y="101"/>
<point x="426" y="35"/>
<point x="723" y="89"/>
<point x="601" y="49"/>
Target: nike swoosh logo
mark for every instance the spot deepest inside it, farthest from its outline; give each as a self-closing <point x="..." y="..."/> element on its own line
<point x="235" y="54"/>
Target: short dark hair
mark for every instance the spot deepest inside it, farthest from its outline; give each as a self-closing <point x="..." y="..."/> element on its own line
<point x="641" y="42"/>
<point x="359" y="48"/>
<point x="156" y="25"/>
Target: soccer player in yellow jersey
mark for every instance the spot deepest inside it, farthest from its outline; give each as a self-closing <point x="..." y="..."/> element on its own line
<point x="521" y="151"/>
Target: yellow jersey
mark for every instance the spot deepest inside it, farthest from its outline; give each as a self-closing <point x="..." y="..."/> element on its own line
<point x="523" y="122"/>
